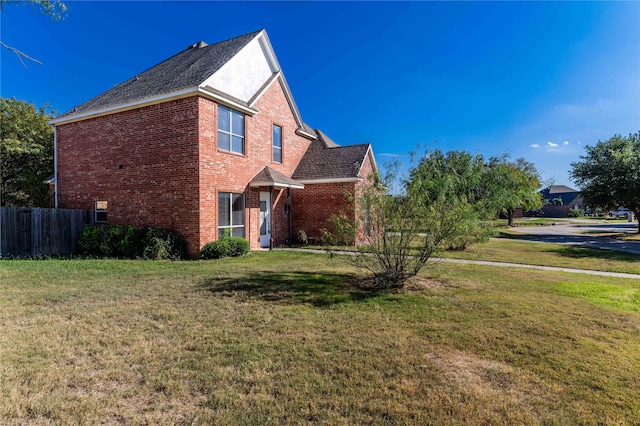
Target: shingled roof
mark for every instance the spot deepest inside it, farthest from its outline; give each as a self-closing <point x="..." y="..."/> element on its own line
<point x="326" y="160"/>
<point x="559" y="189"/>
<point x="269" y="177"/>
<point x="188" y="68"/>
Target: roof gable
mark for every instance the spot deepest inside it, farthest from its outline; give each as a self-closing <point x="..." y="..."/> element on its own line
<point x="235" y="72"/>
<point x="244" y="74"/>
<point x="270" y="177"/>
<point x="325" y="160"/>
<point x="186" y="69"/>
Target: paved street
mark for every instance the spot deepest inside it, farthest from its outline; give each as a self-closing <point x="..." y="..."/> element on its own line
<point x="581" y="235"/>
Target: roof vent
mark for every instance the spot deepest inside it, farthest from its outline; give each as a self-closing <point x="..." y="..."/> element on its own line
<point x="198" y="45"/>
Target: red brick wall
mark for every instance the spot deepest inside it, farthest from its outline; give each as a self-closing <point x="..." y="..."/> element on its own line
<point x="159" y="165"/>
<point x="228" y="172"/>
<point x="313" y="206"/>
<point x="143" y="162"/>
<point x="366" y="171"/>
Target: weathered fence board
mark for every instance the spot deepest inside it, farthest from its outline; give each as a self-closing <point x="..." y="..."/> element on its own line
<point x="26" y="231"/>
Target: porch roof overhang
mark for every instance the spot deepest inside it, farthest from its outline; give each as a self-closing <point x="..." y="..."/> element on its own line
<point x="270" y="177"/>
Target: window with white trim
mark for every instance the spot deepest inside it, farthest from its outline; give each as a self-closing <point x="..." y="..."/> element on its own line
<point x="277" y="144"/>
<point x="100" y="212"/>
<point x="230" y="130"/>
<point x="230" y="214"/>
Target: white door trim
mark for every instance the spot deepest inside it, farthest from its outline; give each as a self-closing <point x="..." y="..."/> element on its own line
<point x="265" y="220"/>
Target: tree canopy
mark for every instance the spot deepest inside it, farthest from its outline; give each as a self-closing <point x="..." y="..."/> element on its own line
<point x="510" y="184"/>
<point x="444" y="204"/>
<point x="609" y="174"/>
<point x="26" y="153"/>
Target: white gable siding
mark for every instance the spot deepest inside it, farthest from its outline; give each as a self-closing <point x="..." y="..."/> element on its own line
<point x="244" y="74"/>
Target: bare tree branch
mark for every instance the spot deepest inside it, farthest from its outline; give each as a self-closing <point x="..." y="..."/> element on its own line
<point x="20" y="54"/>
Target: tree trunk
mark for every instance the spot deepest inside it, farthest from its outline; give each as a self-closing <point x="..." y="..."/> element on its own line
<point x="509" y="217"/>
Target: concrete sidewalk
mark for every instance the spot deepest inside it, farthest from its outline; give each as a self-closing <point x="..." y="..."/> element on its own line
<point x="498" y="264"/>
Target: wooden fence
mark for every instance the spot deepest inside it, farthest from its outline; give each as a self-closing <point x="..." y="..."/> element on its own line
<point x="26" y="231"/>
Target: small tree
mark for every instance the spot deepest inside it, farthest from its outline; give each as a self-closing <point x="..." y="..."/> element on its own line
<point x="407" y="227"/>
<point x="609" y="174"/>
<point x="510" y="184"/>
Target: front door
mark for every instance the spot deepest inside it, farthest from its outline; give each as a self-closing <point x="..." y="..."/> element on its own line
<point x="265" y="219"/>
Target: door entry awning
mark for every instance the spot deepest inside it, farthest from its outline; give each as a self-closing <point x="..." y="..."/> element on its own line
<point x="269" y="177"/>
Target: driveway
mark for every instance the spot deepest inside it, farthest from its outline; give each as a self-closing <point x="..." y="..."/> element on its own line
<point x="579" y="235"/>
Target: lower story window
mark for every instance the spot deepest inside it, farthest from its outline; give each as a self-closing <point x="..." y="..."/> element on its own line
<point x="230" y="214"/>
<point x="101" y="211"/>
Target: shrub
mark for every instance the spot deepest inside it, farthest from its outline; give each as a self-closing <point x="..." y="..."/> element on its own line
<point x="111" y="238"/>
<point x="160" y="244"/>
<point x="131" y="245"/>
<point x="131" y="242"/>
<point x="225" y="247"/>
<point x="303" y="237"/>
<point x="90" y="239"/>
<point x="576" y="213"/>
<point x="342" y="231"/>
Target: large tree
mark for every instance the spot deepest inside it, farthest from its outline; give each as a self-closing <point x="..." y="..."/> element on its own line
<point x="511" y="184"/>
<point x="609" y="174"/>
<point x="26" y="153"/>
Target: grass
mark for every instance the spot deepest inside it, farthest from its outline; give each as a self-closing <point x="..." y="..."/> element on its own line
<point x="286" y="338"/>
<point x="565" y="256"/>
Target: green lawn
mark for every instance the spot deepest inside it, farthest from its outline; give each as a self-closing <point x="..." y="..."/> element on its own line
<point x="565" y="256"/>
<point x="286" y="338"/>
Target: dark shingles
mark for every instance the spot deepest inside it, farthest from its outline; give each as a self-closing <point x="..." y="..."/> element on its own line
<point x="560" y="192"/>
<point x="188" y="68"/>
<point x="327" y="160"/>
<point x="270" y="177"/>
<point x="559" y="189"/>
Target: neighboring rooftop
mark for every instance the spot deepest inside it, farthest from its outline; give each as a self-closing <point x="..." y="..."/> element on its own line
<point x="558" y="189"/>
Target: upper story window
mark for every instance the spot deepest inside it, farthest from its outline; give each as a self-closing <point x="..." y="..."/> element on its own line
<point x="230" y="130"/>
<point x="277" y="144"/>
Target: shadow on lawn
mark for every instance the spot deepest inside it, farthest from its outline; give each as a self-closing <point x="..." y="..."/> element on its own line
<point x="577" y="252"/>
<point x="320" y="290"/>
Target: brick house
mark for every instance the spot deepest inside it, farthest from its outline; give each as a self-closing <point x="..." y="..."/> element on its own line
<point x="208" y="142"/>
<point x="557" y="200"/>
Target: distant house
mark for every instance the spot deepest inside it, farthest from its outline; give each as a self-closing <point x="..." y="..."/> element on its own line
<point x="207" y="143"/>
<point x="557" y="200"/>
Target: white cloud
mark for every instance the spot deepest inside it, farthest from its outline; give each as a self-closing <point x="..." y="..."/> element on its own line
<point x="552" y="145"/>
<point x="534" y="145"/>
<point x="565" y="143"/>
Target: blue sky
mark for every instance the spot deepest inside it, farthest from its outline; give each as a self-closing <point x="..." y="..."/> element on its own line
<point x="538" y="80"/>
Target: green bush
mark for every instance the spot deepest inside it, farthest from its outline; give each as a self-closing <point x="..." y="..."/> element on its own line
<point x="160" y="244"/>
<point x="131" y="245"/>
<point x="131" y="242"/>
<point x="110" y="244"/>
<point x="226" y="247"/>
<point x="90" y="240"/>
<point x="576" y="213"/>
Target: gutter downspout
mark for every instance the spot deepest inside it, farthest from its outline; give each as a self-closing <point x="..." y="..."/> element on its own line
<point x="289" y="213"/>
<point x="271" y="214"/>
<point x="55" y="167"/>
